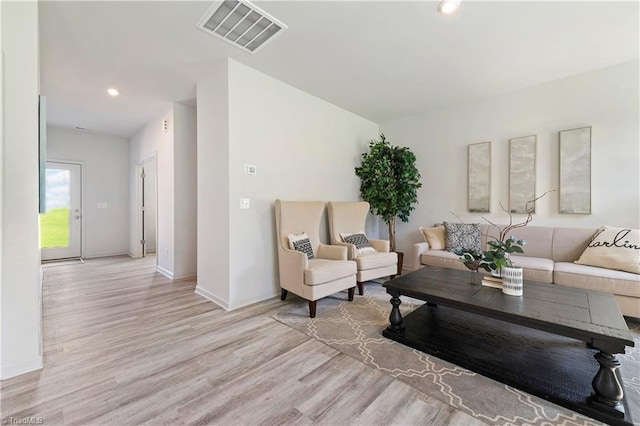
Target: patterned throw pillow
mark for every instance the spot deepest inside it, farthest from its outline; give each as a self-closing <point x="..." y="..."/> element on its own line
<point x="301" y="243"/>
<point x="613" y="248"/>
<point x="360" y="240"/>
<point x="462" y="236"/>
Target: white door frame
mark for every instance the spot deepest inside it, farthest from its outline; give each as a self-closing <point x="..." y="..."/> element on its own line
<point x="83" y="200"/>
<point x="138" y="206"/>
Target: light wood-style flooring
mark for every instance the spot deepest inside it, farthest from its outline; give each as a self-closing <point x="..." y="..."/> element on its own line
<point x="124" y="345"/>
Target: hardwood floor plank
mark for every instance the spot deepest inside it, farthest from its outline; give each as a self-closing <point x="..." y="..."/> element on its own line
<point x="124" y="345"/>
<point x="265" y="389"/>
<point x="290" y="417"/>
<point x="344" y="396"/>
<point x="401" y="404"/>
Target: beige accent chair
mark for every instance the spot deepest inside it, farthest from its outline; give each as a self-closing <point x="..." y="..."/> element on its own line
<point x="327" y="273"/>
<point x="349" y="218"/>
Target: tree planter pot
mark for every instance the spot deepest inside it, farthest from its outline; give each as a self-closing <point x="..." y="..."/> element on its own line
<point x="512" y="281"/>
<point x="400" y="259"/>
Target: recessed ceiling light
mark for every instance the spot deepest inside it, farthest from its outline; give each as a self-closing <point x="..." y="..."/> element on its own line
<point x="448" y="6"/>
<point x="113" y="92"/>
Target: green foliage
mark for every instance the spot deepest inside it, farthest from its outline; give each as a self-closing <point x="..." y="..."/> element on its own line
<point x="389" y="182"/>
<point x="497" y="256"/>
<point x="500" y="247"/>
<point x="472" y="259"/>
<point x="54" y="228"/>
<point x="468" y="255"/>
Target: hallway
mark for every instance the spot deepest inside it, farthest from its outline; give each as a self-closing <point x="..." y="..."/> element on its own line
<point x="123" y="345"/>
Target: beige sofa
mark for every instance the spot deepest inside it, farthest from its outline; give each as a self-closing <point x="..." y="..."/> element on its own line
<point x="548" y="258"/>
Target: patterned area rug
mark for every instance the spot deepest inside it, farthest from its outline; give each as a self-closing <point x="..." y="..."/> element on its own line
<point x="355" y="328"/>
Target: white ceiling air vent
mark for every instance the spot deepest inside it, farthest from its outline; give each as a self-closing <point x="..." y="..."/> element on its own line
<point x="241" y="23"/>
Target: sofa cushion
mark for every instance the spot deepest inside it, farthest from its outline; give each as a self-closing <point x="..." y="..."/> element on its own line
<point x="434" y="236"/>
<point x="538" y="239"/>
<point x="535" y="268"/>
<point x="376" y="260"/>
<point x="599" y="279"/>
<point x="461" y="236"/>
<point x="442" y="258"/>
<point x="323" y="270"/>
<point x="569" y="243"/>
<point x="614" y="248"/>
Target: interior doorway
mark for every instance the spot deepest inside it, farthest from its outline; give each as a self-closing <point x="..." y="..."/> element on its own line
<point x="147" y="205"/>
<point x="61" y="224"/>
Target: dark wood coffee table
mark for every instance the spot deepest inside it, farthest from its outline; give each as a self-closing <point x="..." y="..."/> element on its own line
<point x="464" y="323"/>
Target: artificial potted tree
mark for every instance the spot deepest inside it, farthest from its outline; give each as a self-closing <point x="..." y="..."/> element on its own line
<point x="389" y="182"/>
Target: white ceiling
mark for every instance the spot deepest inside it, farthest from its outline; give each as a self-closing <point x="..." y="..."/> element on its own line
<point x="381" y="60"/>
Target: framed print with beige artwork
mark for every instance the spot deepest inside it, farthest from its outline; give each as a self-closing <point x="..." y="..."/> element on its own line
<point x="575" y="171"/>
<point x="479" y="177"/>
<point x="522" y="173"/>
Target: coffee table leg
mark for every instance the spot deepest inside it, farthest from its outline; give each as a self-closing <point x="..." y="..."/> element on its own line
<point x="608" y="389"/>
<point x="395" y="317"/>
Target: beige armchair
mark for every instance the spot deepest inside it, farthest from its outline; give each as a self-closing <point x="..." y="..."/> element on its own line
<point x="328" y="272"/>
<point x="348" y="218"/>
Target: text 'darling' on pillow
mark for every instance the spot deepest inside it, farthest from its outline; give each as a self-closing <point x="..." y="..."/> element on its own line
<point x="613" y="248"/>
<point x="301" y="243"/>
<point x="462" y="236"/>
<point x="360" y="240"/>
<point x="434" y="236"/>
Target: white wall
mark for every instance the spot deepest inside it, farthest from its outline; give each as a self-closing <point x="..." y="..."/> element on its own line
<point x="21" y="340"/>
<point x="213" y="185"/>
<point x="1" y="182"/>
<point x="1" y="179"/>
<point x="150" y="140"/>
<point x="606" y="99"/>
<point x="304" y="149"/>
<point x="150" y="194"/>
<point x="185" y="140"/>
<point x="175" y="150"/>
<point x="105" y="179"/>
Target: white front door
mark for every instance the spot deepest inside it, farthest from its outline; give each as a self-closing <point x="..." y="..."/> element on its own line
<point x="61" y="225"/>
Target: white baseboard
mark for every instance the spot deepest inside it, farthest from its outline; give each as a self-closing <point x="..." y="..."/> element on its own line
<point x="13" y="370"/>
<point x="213" y="298"/>
<point x="95" y="255"/>
<point x="185" y="277"/>
<point x="253" y="301"/>
<point x="226" y="305"/>
<point x="165" y="272"/>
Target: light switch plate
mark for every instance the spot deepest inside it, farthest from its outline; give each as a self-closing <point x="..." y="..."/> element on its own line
<point x="250" y="170"/>
<point x="245" y="203"/>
